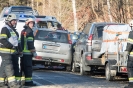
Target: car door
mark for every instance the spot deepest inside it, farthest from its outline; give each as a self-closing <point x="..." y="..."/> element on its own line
<point x="97" y="38"/>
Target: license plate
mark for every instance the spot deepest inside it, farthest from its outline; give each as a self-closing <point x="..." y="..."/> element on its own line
<point x="50" y="47"/>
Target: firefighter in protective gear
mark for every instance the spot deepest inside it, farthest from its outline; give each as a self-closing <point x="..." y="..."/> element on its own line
<point x="15" y="59"/>
<point x="129" y="53"/>
<point x="27" y="42"/>
<point x="8" y="45"/>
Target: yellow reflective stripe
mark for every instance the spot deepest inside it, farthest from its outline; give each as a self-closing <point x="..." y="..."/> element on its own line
<point x="18" y="78"/>
<point x="26" y="51"/>
<point x="12" y="33"/>
<point x="7" y="50"/>
<point x="131" y="53"/>
<point x="30" y="38"/>
<point x="28" y="78"/>
<point x="19" y="39"/>
<point x="1" y="79"/>
<point x="10" y="78"/>
<point x="3" y="35"/>
<point x="22" y="78"/>
<point x="129" y="39"/>
<point x="130" y="78"/>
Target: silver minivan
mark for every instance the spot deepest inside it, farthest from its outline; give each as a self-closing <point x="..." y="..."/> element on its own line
<point x="53" y="48"/>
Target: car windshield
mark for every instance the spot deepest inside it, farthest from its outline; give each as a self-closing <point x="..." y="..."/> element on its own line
<point x="21" y="9"/>
<point x="52" y="36"/>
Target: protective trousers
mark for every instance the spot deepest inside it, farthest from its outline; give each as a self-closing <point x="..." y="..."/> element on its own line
<point x="130" y="69"/>
<point x="15" y="61"/>
<point x="26" y="68"/>
<point x="6" y="71"/>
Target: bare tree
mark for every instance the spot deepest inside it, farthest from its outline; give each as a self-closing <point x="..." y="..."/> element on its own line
<point x="93" y="10"/>
<point x="109" y="12"/>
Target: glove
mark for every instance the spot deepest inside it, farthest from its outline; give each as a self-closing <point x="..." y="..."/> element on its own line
<point x="34" y="54"/>
<point x="20" y="54"/>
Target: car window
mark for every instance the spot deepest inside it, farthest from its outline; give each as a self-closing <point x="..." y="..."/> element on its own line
<point x="42" y="24"/>
<point x="52" y="36"/>
<point x="98" y="33"/>
<point x="50" y="25"/>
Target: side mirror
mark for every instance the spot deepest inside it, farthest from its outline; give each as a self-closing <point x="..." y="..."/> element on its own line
<point x="75" y="36"/>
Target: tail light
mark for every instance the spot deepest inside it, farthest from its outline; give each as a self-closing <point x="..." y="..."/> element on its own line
<point x="61" y="60"/>
<point x="90" y="39"/>
<point x="88" y="57"/>
<point x="38" y="57"/>
<point x="123" y="69"/>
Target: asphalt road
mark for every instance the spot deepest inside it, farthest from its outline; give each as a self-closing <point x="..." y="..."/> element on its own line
<point x="45" y="78"/>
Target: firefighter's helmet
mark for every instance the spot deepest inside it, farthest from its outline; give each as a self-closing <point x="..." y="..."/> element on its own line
<point x="11" y="17"/>
<point x="29" y="20"/>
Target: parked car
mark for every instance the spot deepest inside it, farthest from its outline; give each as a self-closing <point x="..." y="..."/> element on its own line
<point x="87" y="56"/>
<point x="17" y="9"/>
<point x="53" y="48"/>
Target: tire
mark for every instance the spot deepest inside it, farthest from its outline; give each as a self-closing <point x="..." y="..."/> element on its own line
<point x="82" y="71"/>
<point x="68" y="68"/>
<point x="108" y="74"/>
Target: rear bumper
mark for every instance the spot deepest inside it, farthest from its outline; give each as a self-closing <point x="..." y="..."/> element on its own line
<point x="55" y="58"/>
<point x="94" y="61"/>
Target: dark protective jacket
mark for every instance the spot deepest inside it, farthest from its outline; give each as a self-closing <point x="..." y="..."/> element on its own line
<point x="27" y="40"/>
<point x="6" y="47"/>
<point x="129" y="47"/>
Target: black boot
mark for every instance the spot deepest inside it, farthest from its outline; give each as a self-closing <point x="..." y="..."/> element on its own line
<point x="30" y="83"/>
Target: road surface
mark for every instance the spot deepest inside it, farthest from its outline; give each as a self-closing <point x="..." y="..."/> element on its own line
<point x="61" y="79"/>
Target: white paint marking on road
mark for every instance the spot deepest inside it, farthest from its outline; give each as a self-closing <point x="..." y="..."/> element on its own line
<point x="46" y="80"/>
<point x="38" y="84"/>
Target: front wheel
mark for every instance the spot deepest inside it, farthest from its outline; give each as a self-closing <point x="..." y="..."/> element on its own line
<point x="108" y="73"/>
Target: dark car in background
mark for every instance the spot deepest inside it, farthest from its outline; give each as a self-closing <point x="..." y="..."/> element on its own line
<point x="87" y="55"/>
